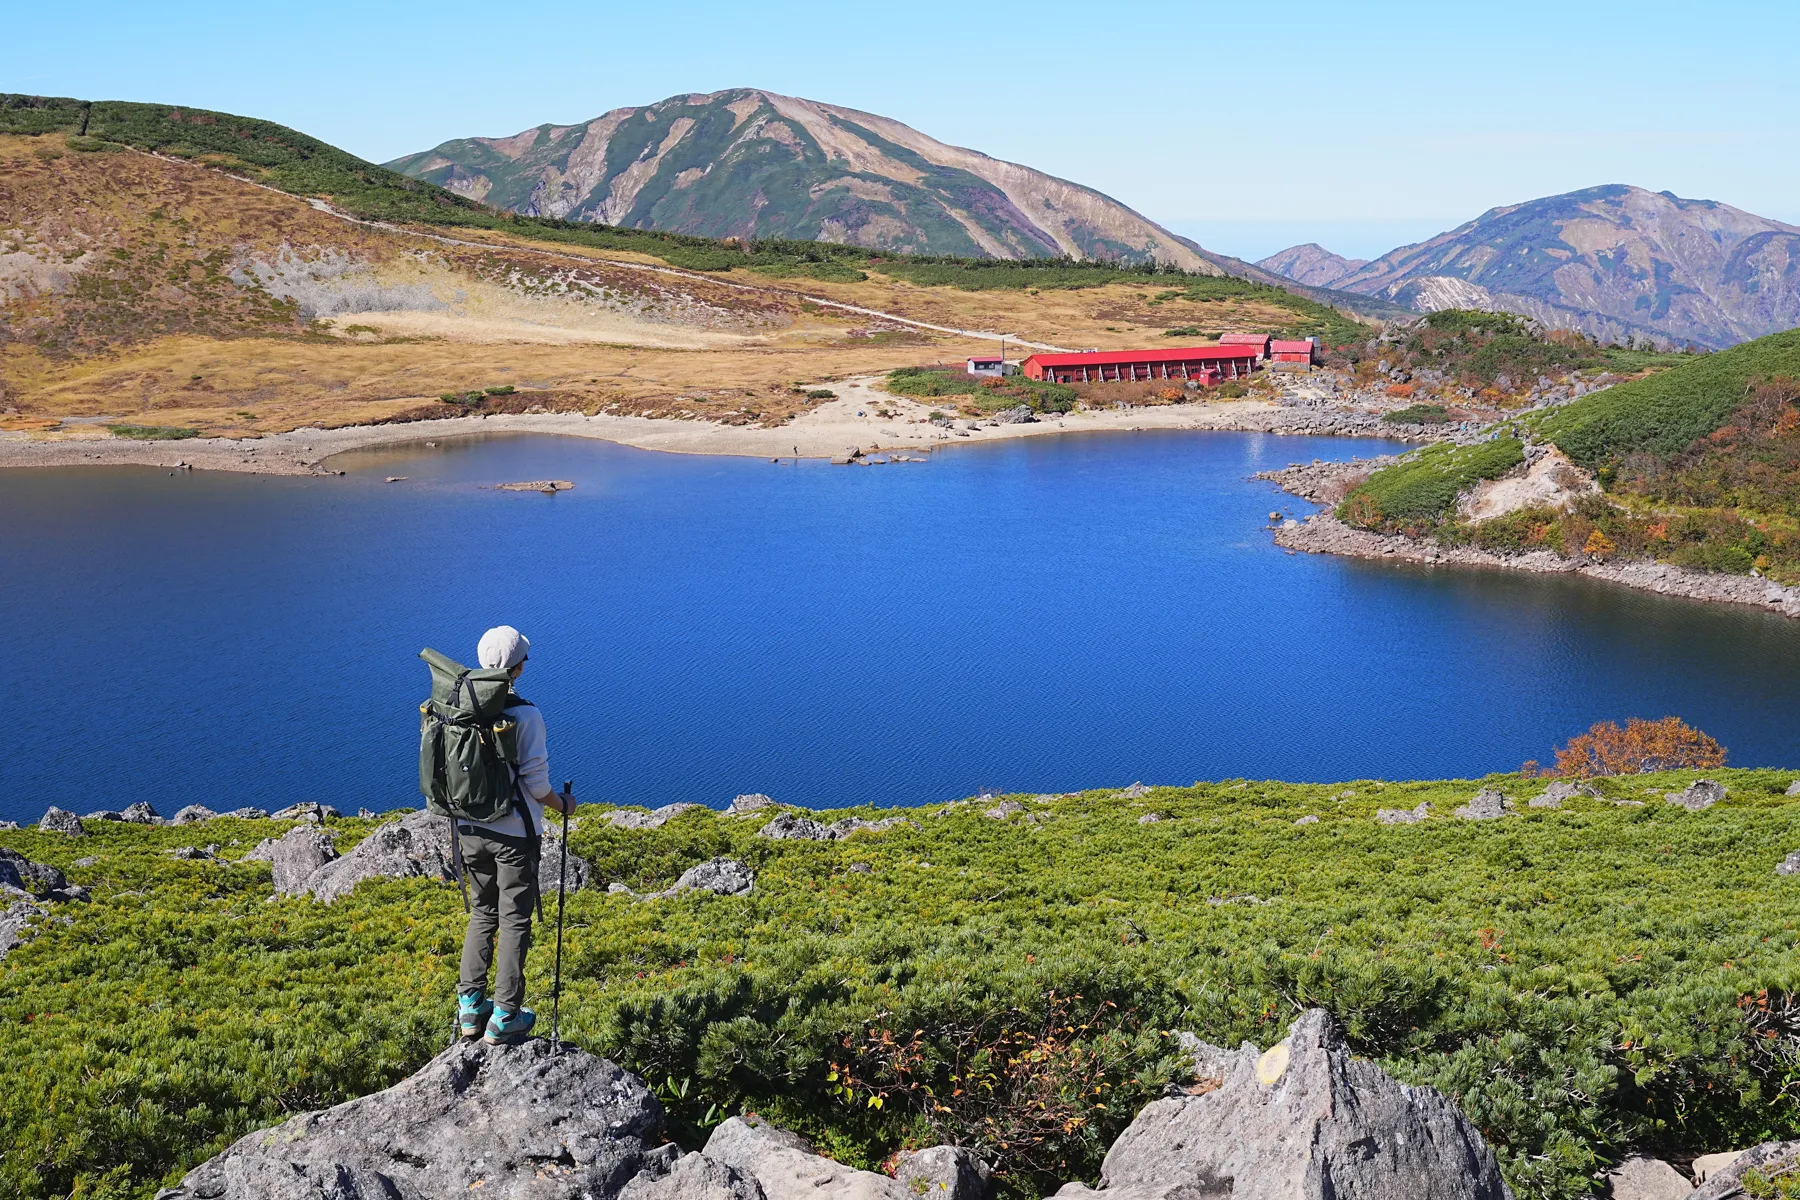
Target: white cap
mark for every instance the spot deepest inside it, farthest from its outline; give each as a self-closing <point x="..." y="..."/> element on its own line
<point x="502" y="648"/>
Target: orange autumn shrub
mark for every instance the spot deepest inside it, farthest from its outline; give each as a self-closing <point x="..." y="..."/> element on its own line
<point x="1666" y="745"/>
<point x="1402" y="390"/>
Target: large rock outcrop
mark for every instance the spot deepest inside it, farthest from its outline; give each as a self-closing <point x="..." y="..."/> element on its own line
<point x="1768" y="1159"/>
<point x="295" y="857"/>
<point x="527" y="1122"/>
<point x="1303" y="1121"/>
<point x="21" y="874"/>
<point x="417" y="845"/>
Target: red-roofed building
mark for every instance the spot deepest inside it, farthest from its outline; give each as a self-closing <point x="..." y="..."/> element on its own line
<point x="1205" y="364"/>
<point x="1258" y="340"/>
<point x="1294" y="352"/>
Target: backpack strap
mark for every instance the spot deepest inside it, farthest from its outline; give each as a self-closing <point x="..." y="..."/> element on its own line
<point x="456" y="863"/>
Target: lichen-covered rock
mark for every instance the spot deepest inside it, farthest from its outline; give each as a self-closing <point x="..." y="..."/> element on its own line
<point x="720" y="876"/>
<point x="943" y="1173"/>
<point x="305" y="811"/>
<point x="748" y="803"/>
<point x="1403" y="816"/>
<point x="1702" y="793"/>
<point x="248" y="814"/>
<point x="787" y="1167"/>
<point x="550" y="867"/>
<point x="142" y="813"/>
<point x="60" y="820"/>
<point x="1487" y="805"/>
<point x="849" y="825"/>
<point x="104" y="814"/>
<point x="1303" y="1121"/>
<point x="1562" y="790"/>
<point x="629" y="818"/>
<point x="295" y="857"/>
<point x="1004" y="809"/>
<point x="1789" y="865"/>
<point x="17" y="911"/>
<point x="1770" y="1158"/>
<point x="417" y="846"/>
<point x="527" y="1122"/>
<point x="1641" y="1178"/>
<point x="693" y="1177"/>
<point x="790" y="826"/>
<point x="191" y="814"/>
<point x="1136" y="791"/>
<point x="34" y="878"/>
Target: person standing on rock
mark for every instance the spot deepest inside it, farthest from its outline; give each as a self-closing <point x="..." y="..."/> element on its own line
<point x="500" y="859"/>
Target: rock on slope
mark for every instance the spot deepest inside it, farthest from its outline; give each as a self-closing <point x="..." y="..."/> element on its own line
<point x="1609" y="261"/>
<point x="754" y="164"/>
<point x="1311" y="264"/>
<point x="1304" y="1121"/>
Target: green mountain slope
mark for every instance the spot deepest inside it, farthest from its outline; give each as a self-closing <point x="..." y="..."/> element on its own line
<point x="751" y="164"/>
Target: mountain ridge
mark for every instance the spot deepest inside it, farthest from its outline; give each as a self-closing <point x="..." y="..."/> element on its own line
<point x="1613" y="261"/>
<point x="749" y="163"/>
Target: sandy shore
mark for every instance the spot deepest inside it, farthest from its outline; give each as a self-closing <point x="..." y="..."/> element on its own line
<point x="832" y="430"/>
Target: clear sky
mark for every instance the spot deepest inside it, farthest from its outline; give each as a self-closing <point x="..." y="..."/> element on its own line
<point x="1248" y="125"/>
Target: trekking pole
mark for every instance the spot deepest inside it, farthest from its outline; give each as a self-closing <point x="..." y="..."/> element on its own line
<point x="562" y="887"/>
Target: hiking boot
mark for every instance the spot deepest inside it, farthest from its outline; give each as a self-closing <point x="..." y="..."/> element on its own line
<point x="506" y="1028"/>
<point x="472" y="1013"/>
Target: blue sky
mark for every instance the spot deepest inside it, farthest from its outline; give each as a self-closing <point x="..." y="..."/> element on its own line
<point x="1250" y="126"/>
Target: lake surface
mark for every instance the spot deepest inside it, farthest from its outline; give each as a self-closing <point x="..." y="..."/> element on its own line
<point x="1042" y="615"/>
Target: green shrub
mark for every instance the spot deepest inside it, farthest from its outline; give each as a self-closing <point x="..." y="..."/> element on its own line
<point x="1422" y="487"/>
<point x="1419" y="414"/>
<point x="505" y="389"/>
<point x="917" y="381"/>
<point x="1183" y="331"/>
<point x="153" y="433"/>
<point x="822" y="394"/>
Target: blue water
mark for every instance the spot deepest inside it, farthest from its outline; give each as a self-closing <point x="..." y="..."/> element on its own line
<point x="1041" y="615"/>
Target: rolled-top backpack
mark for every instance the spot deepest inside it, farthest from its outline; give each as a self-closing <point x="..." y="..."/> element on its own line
<point x="468" y="746"/>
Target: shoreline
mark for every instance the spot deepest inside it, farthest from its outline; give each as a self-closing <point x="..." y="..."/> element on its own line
<point x="1323" y="533"/>
<point x="832" y="431"/>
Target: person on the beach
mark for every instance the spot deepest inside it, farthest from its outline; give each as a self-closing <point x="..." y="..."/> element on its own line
<point x="500" y="859"/>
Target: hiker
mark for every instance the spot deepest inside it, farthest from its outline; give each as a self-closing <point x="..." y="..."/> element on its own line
<point x="500" y="858"/>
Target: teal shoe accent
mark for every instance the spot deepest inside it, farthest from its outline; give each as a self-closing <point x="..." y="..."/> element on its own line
<point x="509" y="1028"/>
<point x="472" y="1013"/>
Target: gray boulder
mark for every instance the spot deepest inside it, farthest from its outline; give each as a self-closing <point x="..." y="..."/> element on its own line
<point x="630" y="818"/>
<point x="1640" y="1178"/>
<point x="693" y="1177"/>
<point x="305" y="811"/>
<point x="1562" y="790"/>
<point x="9" y="824"/>
<point x="748" y="803"/>
<point x="1487" y="805"/>
<point x="528" y="1122"/>
<point x="295" y="857"/>
<point x="943" y="1173"/>
<point x="417" y="846"/>
<point x="792" y="827"/>
<point x="787" y="1167"/>
<point x="20" y="874"/>
<point x="1702" y="793"/>
<point x="720" y="876"/>
<point x="104" y="814"/>
<point x="141" y="814"/>
<point x="1770" y="1158"/>
<point x="1150" y="818"/>
<point x="17" y="911"/>
<point x="1004" y="809"/>
<point x="248" y="814"/>
<point x="550" y="868"/>
<point x="1136" y="791"/>
<point x="1303" y="1121"/>
<point x="194" y="853"/>
<point x="1309" y="819"/>
<point x="1706" y="1166"/>
<point x="1793" y="789"/>
<point x="1403" y="816"/>
<point x="191" y="814"/>
<point x="60" y="820"/>
<point x="850" y="825"/>
<point x="1789" y="865"/>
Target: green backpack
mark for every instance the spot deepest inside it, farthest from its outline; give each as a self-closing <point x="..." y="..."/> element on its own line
<point x="468" y="746"/>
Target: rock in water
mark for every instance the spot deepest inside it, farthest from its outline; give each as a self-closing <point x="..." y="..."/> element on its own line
<point x="1640" y="1178"/>
<point x="521" y="1123"/>
<point x="295" y="857"/>
<point x="58" y="820"/>
<point x="1702" y="793"/>
<point x="1487" y="805"/>
<point x="1770" y="1158"/>
<point x="943" y="1173"/>
<point x="418" y="845"/>
<point x="1304" y="1121"/>
<point x="787" y="1167"/>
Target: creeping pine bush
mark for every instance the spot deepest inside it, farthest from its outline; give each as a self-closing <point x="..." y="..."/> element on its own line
<point x="1584" y="982"/>
<point x="1421" y="489"/>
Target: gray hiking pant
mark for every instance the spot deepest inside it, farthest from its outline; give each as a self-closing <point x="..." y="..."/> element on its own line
<point x="502" y="874"/>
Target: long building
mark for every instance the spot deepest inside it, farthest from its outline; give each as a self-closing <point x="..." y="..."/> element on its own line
<point x="1206" y="364"/>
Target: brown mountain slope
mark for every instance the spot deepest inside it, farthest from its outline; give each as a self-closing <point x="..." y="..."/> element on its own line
<point x="1311" y="264"/>
<point x="754" y="164"/>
